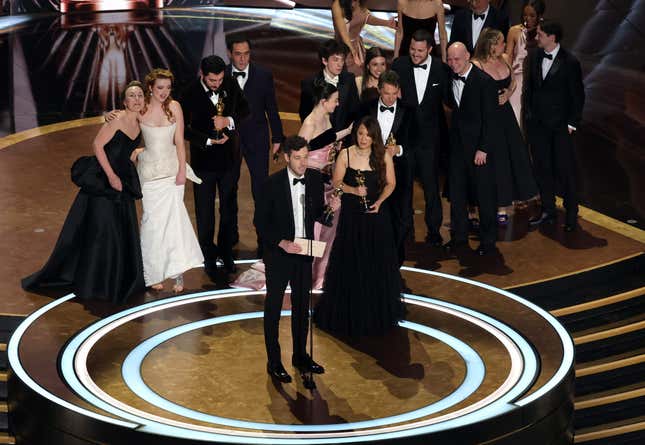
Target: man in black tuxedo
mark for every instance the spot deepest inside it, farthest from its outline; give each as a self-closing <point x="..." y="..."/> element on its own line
<point x="474" y="101"/>
<point x="332" y="58"/>
<point x="468" y="23"/>
<point x="394" y="117"/>
<point x="553" y="98"/>
<point x="214" y="155"/>
<point x="256" y="82"/>
<point x="291" y="200"/>
<point x="424" y="81"/>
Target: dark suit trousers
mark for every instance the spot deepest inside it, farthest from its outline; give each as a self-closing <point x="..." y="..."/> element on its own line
<point x="554" y="160"/>
<point x="223" y="183"/>
<point x="280" y="270"/>
<point x="400" y="202"/>
<point x="465" y="175"/>
<point x="423" y="161"/>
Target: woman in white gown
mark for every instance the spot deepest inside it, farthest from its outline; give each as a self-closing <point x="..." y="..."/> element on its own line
<point x="169" y="246"/>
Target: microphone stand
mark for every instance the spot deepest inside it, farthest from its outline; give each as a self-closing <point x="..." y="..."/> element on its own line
<point x="308" y="376"/>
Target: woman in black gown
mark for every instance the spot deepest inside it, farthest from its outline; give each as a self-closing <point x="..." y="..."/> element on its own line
<point x="515" y="181"/>
<point x="420" y="14"/>
<point x="98" y="252"/>
<point x="362" y="291"/>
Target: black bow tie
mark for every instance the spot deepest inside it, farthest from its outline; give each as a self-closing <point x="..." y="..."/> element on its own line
<point x="297" y="180"/>
<point x="236" y="74"/>
<point x="547" y="56"/>
<point x="479" y="16"/>
<point x="462" y="78"/>
<point x="423" y="67"/>
<point x="384" y="108"/>
<point x="212" y="93"/>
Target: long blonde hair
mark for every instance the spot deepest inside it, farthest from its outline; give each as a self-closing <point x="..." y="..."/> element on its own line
<point x="487" y="39"/>
<point x="151" y="78"/>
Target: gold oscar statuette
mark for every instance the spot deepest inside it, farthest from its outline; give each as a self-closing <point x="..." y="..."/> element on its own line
<point x="220" y="112"/>
<point x="360" y="180"/>
<point x="390" y="140"/>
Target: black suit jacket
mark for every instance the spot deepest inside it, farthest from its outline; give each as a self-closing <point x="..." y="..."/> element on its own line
<point x="400" y="125"/>
<point x="471" y="121"/>
<point x="259" y="92"/>
<point x="274" y="210"/>
<point x="198" y="124"/>
<point x="462" y="25"/>
<point x="557" y="100"/>
<point x="348" y="99"/>
<point x="424" y="125"/>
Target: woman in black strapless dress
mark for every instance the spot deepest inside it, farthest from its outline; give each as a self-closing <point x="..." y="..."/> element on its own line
<point x="98" y="252"/>
<point x="420" y="14"/>
<point x="362" y="291"/>
<point x="514" y="174"/>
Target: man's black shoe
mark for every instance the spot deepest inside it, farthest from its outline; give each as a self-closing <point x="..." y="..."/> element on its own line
<point x="434" y="239"/>
<point x="278" y="372"/>
<point x="454" y="245"/>
<point x="306" y="364"/>
<point x="485" y="249"/>
<point x="570" y="227"/>
<point x="548" y="218"/>
<point x="229" y="264"/>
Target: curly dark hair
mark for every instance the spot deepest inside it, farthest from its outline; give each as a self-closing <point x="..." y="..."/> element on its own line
<point x="377" y="156"/>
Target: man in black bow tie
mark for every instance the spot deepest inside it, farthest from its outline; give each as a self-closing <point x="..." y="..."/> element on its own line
<point x="553" y="99"/>
<point x="332" y="56"/>
<point x="468" y="23"/>
<point x="424" y="82"/>
<point x="473" y="100"/>
<point x="256" y="82"/>
<point x="290" y="201"/>
<point x="214" y="155"/>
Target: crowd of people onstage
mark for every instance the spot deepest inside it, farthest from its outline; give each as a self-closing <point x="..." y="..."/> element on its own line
<point x="493" y="110"/>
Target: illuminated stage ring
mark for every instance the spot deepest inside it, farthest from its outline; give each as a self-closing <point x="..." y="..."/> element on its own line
<point x="134" y="422"/>
<point x="510" y="388"/>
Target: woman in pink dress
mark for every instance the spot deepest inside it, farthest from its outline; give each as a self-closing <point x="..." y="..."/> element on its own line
<point x="520" y="38"/>
<point x="324" y="144"/>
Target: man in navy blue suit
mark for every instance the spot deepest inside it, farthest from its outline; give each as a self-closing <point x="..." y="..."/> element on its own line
<point x="256" y="83"/>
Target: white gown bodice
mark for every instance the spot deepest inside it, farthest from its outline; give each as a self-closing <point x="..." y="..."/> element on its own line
<point x="159" y="158"/>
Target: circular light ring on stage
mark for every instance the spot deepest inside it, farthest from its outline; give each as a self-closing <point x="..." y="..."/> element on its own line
<point x="510" y="388"/>
<point x="475" y="372"/>
<point x="505" y="399"/>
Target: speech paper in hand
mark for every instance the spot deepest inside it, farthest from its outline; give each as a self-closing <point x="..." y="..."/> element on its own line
<point x="311" y="247"/>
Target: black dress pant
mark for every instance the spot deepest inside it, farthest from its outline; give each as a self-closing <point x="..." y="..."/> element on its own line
<point x="465" y="176"/>
<point x="400" y="202"/>
<point x="424" y="162"/>
<point x="224" y="184"/>
<point x="554" y="160"/>
<point x="282" y="268"/>
<point x="256" y="155"/>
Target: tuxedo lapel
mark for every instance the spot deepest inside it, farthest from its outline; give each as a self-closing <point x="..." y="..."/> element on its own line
<point x="557" y="63"/>
<point x="287" y="196"/>
<point x="398" y="117"/>
<point x="413" y="84"/>
<point x="249" y="82"/>
<point x="469" y="28"/>
<point x="537" y="69"/>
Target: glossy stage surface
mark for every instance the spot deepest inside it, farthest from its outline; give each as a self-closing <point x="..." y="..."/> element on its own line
<point x="470" y="359"/>
<point x="471" y="362"/>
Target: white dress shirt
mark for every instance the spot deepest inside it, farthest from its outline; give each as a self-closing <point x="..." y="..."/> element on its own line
<point x="241" y="80"/>
<point x="458" y="85"/>
<point x="330" y="79"/>
<point x="547" y="63"/>
<point x="385" y="122"/>
<point x="478" y="25"/>
<point x="421" y="78"/>
<point x="215" y="98"/>
<point x="297" y="202"/>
